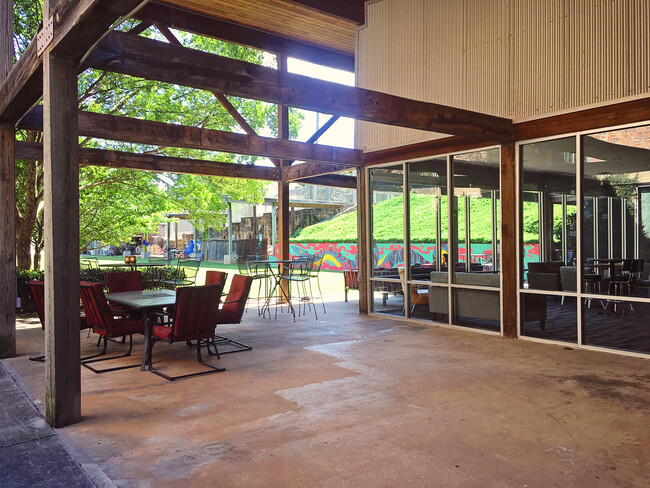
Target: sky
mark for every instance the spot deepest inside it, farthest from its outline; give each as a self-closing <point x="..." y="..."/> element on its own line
<point x="342" y="132"/>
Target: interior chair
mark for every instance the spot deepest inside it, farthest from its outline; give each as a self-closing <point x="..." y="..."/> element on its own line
<point x="37" y="289"/>
<point x="569" y="280"/>
<point x="232" y="311"/>
<point x="418" y="296"/>
<point x="621" y="283"/>
<point x="545" y="275"/>
<point x="101" y="318"/>
<point x="185" y="274"/>
<point x="194" y="319"/>
<point x="121" y="281"/>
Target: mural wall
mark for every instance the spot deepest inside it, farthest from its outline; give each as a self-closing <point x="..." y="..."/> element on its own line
<point x="339" y="256"/>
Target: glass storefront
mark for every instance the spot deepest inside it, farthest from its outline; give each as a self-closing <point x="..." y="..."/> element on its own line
<point x="453" y="257"/>
<point x="585" y="239"/>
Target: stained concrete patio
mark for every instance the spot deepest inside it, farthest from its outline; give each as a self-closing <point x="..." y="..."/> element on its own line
<point x="351" y="401"/>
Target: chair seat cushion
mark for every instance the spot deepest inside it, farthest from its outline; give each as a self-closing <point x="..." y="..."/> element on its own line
<point x="228" y="318"/>
<point x="127" y="326"/>
<point x="163" y="332"/>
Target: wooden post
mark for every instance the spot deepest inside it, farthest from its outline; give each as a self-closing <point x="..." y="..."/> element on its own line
<point x="362" y="240"/>
<point x="61" y="215"/>
<point x="283" y="187"/>
<point x="508" y="240"/>
<point x="7" y="199"/>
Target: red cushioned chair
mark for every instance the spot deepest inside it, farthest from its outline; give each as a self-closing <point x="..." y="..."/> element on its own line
<point x="37" y="289"/>
<point x="194" y="319"/>
<point x="232" y="310"/>
<point x="213" y="277"/>
<point x="119" y="281"/>
<point x="101" y="318"/>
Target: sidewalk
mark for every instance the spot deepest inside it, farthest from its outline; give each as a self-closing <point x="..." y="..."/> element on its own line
<point x="31" y="453"/>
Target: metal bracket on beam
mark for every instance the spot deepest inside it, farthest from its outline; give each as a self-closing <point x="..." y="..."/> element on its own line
<point x="45" y="36"/>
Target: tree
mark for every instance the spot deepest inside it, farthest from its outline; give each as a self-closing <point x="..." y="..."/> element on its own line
<point x="117" y="203"/>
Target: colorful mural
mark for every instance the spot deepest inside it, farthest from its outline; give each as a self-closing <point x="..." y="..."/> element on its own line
<point x="342" y="255"/>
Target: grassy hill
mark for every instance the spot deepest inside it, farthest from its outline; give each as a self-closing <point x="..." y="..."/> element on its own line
<point x="387" y="222"/>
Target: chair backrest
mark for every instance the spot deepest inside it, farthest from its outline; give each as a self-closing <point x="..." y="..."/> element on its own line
<point x="98" y="313"/>
<point x="195" y="314"/>
<point x="89" y="263"/>
<point x="568" y="275"/>
<point x="351" y="277"/>
<point x="213" y="277"/>
<point x="38" y="294"/>
<point x="190" y="268"/>
<point x="233" y="307"/>
<point x="119" y="281"/>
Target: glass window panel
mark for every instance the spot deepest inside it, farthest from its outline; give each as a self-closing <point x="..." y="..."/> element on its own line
<point x="548" y="211"/>
<point x="476" y="210"/>
<point x="549" y="317"/>
<point x="615" y="326"/>
<point x="427" y="217"/>
<point x="386" y="219"/>
<point x="388" y="298"/>
<point x="616" y="177"/>
<point x="477" y="308"/>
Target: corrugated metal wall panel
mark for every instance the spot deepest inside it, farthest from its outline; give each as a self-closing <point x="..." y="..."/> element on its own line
<point x="516" y="58"/>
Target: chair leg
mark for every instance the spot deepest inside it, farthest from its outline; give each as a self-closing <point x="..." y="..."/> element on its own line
<point x="199" y="357"/>
<point x="86" y="361"/>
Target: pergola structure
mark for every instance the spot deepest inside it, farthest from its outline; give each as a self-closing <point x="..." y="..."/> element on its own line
<point x="79" y="34"/>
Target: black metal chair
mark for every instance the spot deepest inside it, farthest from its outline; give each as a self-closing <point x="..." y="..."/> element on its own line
<point x="185" y="274"/>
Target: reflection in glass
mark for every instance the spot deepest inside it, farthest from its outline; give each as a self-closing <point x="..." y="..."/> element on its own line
<point x="616" y="325"/>
<point x="548" y="211"/>
<point x="427" y="217"/>
<point x="388" y="297"/>
<point x="475" y="211"/>
<point x="549" y="317"/>
<point x="386" y="219"/>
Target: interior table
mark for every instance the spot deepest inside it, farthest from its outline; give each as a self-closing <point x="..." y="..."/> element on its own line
<point x="146" y="301"/>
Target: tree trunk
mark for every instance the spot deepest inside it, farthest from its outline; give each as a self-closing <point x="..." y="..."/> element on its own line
<point x="26" y="222"/>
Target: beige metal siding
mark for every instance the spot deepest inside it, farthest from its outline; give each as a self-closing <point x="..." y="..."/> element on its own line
<point x="516" y="58"/>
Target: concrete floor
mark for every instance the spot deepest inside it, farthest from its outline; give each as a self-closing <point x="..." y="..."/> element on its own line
<point x="350" y="401"/>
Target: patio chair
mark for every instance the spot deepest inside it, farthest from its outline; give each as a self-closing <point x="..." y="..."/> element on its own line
<point x="37" y="289"/>
<point x="213" y="277"/>
<point x="350" y="281"/>
<point x="314" y="275"/>
<point x="194" y="319"/>
<point x="101" y="318"/>
<point x="232" y="311"/>
<point x="300" y="274"/>
<point x="185" y="274"/>
<point x="120" y="281"/>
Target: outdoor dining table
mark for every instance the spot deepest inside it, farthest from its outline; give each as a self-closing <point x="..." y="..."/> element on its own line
<point x="134" y="266"/>
<point x="145" y="301"/>
<point x="276" y="274"/>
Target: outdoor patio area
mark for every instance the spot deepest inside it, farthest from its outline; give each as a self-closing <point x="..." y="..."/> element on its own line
<point x="355" y="401"/>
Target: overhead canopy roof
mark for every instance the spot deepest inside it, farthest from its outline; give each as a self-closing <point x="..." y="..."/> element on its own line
<point x="312" y="22"/>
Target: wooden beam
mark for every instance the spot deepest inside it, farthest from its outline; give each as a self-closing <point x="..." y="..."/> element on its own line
<point x="330" y="122"/>
<point x="219" y="29"/>
<point x="509" y="240"/>
<point x="7" y="200"/>
<point x="352" y="10"/>
<point x="158" y="164"/>
<point x="160" y="61"/>
<point x="593" y="118"/>
<point x="61" y="216"/>
<point x="308" y="170"/>
<point x="139" y="131"/>
<point x="284" y="212"/>
<point x="337" y="181"/>
<point x="78" y="24"/>
<point x="436" y="147"/>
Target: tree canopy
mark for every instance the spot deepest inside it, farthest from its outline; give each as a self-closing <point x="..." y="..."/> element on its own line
<point x="115" y="204"/>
